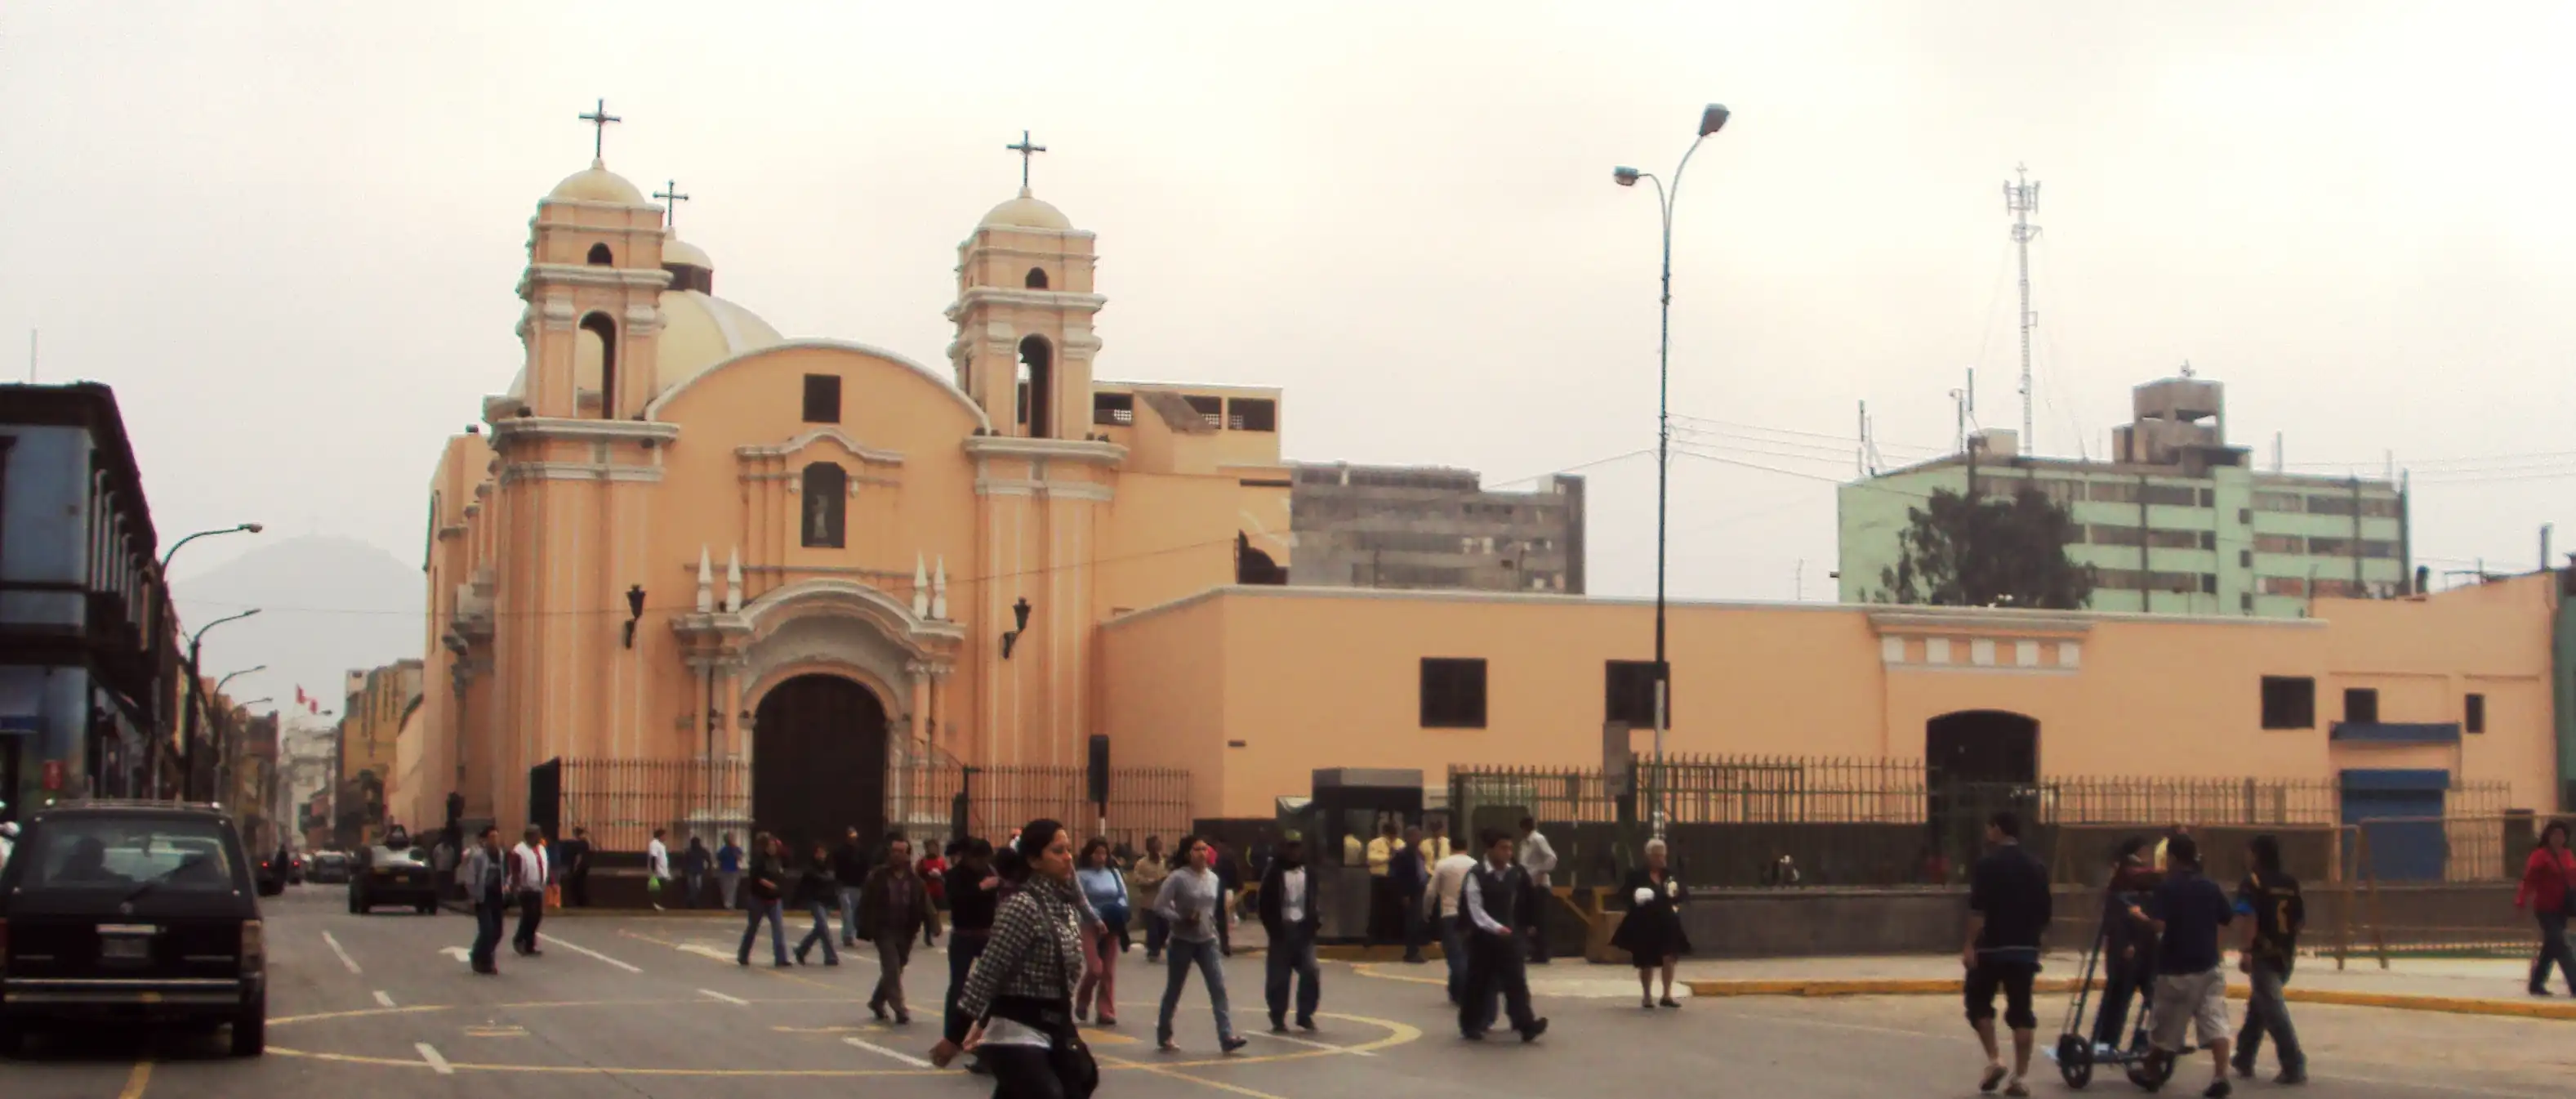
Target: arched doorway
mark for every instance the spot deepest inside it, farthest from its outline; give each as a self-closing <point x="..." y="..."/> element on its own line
<point x="1974" y="763"/>
<point x="818" y="762"/>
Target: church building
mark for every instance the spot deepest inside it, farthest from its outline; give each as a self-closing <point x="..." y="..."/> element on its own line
<point x="679" y="535"/>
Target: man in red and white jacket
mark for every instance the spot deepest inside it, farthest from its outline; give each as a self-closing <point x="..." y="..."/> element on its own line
<point x="527" y="885"/>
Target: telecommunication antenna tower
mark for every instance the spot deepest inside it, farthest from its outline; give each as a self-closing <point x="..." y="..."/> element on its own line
<point x="2021" y="199"/>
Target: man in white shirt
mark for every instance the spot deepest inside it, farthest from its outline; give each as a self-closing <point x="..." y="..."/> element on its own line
<point x="527" y="884"/>
<point x="657" y="868"/>
<point x="1538" y="858"/>
<point x="1448" y="879"/>
<point x="1496" y="892"/>
<point x="1289" y="909"/>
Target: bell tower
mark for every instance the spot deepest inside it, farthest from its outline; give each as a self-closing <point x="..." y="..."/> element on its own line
<point x="1024" y="309"/>
<point x="593" y="286"/>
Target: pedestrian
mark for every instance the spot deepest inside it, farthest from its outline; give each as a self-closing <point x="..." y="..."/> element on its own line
<point x="1289" y="907"/>
<point x="2549" y="891"/>
<point x="894" y="906"/>
<point x="2270" y="898"/>
<point x="1448" y="883"/>
<point x="486" y="888"/>
<point x="1538" y="860"/>
<point x="816" y="890"/>
<point x="933" y="869"/>
<point x="1195" y="904"/>
<point x="850" y="867"/>
<point x="766" y="876"/>
<point x="574" y="857"/>
<point x="1495" y="893"/>
<point x="1385" y="911"/>
<point x="1020" y="991"/>
<point x="729" y="868"/>
<point x="974" y="892"/>
<point x="528" y="886"/>
<point x="1410" y="875"/>
<point x="1436" y="845"/>
<point x="657" y="867"/>
<point x="2008" y="911"/>
<point x="694" y="865"/>
<point x="1229" y="884"/>
<point x="1652" y="932"/>
<point x="2187" y="910"/>
<point x="1147" y="881"/>
<point x="1104" y="888"/>
<point x="2128" y="947"/>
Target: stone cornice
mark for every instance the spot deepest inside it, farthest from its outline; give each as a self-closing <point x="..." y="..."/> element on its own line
<point x="582" y="274"/>
<point x="1081" y="451"/>
<point x="579" y="471"/>
<point x="1012" y="296"/>
<point x="865" y="454"/>
<point x="513" y="428"/>
<point x="1968" y="621"/>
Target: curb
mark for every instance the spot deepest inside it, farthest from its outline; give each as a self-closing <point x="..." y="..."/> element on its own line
<point x="2455" y="1005"/>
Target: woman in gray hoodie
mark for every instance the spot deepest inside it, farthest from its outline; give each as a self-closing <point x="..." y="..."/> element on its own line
<point x="1191" y="902"/>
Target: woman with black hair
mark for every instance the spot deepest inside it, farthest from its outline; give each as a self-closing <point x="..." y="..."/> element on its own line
<point x="1020" y="991"/>
<point x="2549" y="892"/>
<point x="1194" y="903"/>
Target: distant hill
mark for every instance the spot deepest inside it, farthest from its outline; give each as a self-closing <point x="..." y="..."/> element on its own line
<point x="327" y="605"/>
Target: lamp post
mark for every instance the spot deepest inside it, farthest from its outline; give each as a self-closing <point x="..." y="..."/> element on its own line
<point x="224" y="751"/>
<point x="1712" y="118"/>
<point x="173" y="551"/>
<point x="152" y="751"/>
<point x="188" y="727"/>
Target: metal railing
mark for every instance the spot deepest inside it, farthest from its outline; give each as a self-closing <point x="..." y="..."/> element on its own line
<point x="924" y="800"/>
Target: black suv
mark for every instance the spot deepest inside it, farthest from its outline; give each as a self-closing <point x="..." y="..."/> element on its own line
<point x="391" y="876"/>
<point x="131" y="912"/>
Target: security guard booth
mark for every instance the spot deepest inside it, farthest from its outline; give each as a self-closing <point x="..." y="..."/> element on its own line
<point x="1349" y="806"/>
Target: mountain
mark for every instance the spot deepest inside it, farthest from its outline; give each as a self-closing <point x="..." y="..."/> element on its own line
<point x="327" y="605"/>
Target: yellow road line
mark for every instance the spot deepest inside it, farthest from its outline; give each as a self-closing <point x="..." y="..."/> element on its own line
<point x="2455" y="1005"/>
<point x="1159" y="1070"/>
<point x="137" y="1080"/>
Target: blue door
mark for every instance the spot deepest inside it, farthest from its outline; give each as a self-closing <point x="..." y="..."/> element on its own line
<point x="2407" y="842"/>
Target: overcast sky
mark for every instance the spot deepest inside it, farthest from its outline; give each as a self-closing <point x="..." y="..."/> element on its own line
<point x="288" y="233"/>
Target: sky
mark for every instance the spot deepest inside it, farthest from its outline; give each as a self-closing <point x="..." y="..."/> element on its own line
<point x="289" y="233"/>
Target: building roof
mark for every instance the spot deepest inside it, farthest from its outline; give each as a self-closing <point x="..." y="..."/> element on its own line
<point x="698" y="331"/>
<point x="1027" y="212"/>
<point x="597" y="184"/>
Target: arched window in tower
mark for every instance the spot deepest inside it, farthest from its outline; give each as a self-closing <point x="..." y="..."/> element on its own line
<point x="1037" y="278"/>
<point x="595" y="361"/>
<point x="600" y="256"/>
<point x="1037" y="388"/>
<point x="827" y="496"/>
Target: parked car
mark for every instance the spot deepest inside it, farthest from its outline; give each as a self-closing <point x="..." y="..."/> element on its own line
<point x="392" y="876"/>
<point x="270" y="875"/>
<point x="131" y="912"/>
<point x="327" y="868"/>
<point x="295" y="868"/>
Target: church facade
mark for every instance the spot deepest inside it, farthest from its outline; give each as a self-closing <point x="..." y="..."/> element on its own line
<point x="681" y="536"/>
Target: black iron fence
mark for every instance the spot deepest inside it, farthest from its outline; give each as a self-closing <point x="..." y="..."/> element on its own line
<point x="1789" y="821"/>
<point x="621" y="801"/>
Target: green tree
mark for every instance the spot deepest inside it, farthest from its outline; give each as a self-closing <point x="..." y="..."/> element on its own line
<point x="1981" y="551"/>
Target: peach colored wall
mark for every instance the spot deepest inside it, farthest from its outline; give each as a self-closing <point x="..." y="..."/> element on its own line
<point x="1318" y="678"/>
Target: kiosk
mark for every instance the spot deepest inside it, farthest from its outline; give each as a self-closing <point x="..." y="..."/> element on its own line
<point x="1349" y="805"/>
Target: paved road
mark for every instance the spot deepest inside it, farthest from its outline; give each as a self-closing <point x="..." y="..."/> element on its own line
<point x="377" y="1007"/>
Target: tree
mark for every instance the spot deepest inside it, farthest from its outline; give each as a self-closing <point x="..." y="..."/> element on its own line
<point x="1982" y="551"/>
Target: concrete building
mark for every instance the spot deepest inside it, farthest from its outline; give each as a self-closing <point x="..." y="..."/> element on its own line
<point x="379" y="699"/>
<point x="2175" y="522"/>
<point x="1430" y="528"/>
<point x="86" y="659"/>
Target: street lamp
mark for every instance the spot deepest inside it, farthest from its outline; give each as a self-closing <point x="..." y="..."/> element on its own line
<point x="173" y="551"/>
<point x="188" y="733"/>
<point x="229" y="677"/>
<point x="152" y="753"/>
<point x="1711" y="119"/>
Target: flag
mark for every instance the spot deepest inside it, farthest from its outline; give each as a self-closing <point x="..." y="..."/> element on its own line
<point x="314" y="705"/>
<point x="299" y="695"/>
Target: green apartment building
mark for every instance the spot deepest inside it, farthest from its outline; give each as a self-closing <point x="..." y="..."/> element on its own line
<point x="2177" y="522"/>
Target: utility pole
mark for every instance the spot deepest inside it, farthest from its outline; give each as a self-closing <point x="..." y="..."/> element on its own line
<point x="2021" y="199"/>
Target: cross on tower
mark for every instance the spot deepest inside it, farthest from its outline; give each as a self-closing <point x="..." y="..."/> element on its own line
<point x="599" y="119"/>
<point x="672" y="198"/>
<point x="1027" y="150"/>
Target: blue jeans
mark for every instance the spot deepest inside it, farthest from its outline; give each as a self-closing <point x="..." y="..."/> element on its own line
<point x="1292" y="954"/>
<point x="1453" y="949"/>
<point x="849" y="915"/>
<point x="822" y="933"/>
<point x="758" y="909"/>
<point x="2267" y="1013"/>
<point x="1202" y="953"/>
<point x="487" y="930"/>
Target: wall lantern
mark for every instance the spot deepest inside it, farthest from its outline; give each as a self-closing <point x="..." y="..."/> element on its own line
<point x="1020" y="615"/>
<point x="634" y="611"/>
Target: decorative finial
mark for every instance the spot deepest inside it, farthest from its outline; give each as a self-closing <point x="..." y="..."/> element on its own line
<point x="599" y="120"/>
<point x="1027" y="149"/>
<point x="671" y="200"/>
<point x="733" y="581"/>
<point x="939" y="591"/>
<point x="920" y="586"/>
<point x="706" y="581"/>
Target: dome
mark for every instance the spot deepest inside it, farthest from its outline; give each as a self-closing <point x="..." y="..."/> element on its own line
<point x="597" y="184"/>
<point x="698" y="331"/>
<point x="680" y="253"/>
<point x="1027" y="212"/>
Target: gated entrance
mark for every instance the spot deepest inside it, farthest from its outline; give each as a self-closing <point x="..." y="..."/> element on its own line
<point x="818" y="762"/>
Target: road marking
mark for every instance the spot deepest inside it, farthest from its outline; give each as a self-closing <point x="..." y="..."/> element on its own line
<point x="705" y="952"/>
<point x="384" y="1000"/>
<point x="136" y="1081"/>
<point x="1309" y="1042"/>
<point x="872" y="1047"/>
<point x="1160" y="1070"/>
<point x="457" y="952"/>
<point x="344" y="954"/>
<point x="429" y="1056"/>
<point x="715" y="995"/>
<point x="586" y="952"/>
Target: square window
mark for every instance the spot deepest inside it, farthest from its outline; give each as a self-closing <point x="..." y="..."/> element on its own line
<point x="2289" y="702"/>
<point x="2245" y="559"/>
<point x="1252" y="414"/>
<point x="2361" y="706"/>
<point x="1453" y="693"/>
<point x="822" y="398"/>
<point x="1628" y="693"/>
<point x="2475" y="719"/>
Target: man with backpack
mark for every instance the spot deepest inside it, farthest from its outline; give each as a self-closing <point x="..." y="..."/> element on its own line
<point x="2270" y="897"/>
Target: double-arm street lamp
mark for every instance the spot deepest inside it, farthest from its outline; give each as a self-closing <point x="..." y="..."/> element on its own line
<point x="196" y="697"/>
<point x="1711" y="119"/>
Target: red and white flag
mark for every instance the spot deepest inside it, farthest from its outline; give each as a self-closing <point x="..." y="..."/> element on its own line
<point x="299" y="695"/>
